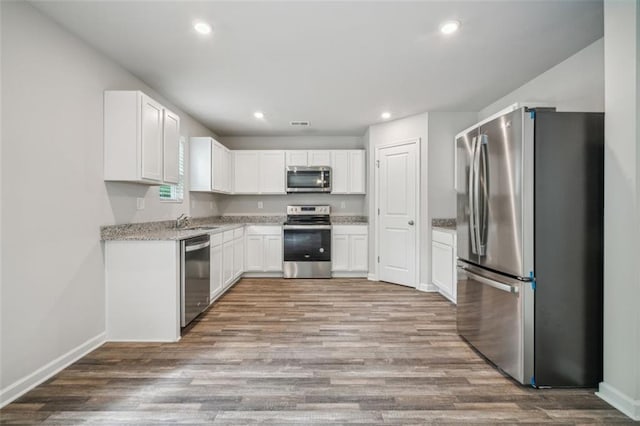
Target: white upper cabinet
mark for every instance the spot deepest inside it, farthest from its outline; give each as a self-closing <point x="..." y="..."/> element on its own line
<point x="259" y="172"/>
<point x="296" y="158"/>
<point x="348" y="172"/>
<point x="319" y="158"/>
<point x="246" y="176"/>
<point x="171" y="147"/>
<point x="209" y="165"/>
<point x="141" y="139"/>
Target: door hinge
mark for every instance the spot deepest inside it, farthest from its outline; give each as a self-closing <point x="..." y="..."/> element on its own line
<point x="378" y="163"/>
<point x="378" y="212"/>
<point x="378" y="259"/>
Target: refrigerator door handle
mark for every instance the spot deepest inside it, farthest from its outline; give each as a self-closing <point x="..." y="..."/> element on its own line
<point x="473" y="190"/>
<point x="472" y="222"/>
<point x="482" y="224"/>
<point x="491" y="283"/>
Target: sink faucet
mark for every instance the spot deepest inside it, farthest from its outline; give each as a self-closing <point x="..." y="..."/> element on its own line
<point x="182" y="221"/>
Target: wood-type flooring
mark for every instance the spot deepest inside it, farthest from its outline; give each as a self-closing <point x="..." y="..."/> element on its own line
<point x="341" y="351"/>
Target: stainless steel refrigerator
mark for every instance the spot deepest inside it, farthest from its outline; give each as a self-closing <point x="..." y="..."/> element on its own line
<point x="530" y="205"/>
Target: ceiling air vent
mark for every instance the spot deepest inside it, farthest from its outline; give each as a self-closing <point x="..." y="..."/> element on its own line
<point x="299" y="123"/>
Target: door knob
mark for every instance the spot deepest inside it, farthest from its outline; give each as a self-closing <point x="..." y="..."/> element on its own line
<point x="411" y="222"/>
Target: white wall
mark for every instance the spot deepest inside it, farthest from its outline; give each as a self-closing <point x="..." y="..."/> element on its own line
<point x="277" y="204"/>
<point x="415" y="126"/>
<point x="621" y="385"/>
<point x="443" y="126"/>
<point x="53" y="197"/>
<point x="575" y="84"/>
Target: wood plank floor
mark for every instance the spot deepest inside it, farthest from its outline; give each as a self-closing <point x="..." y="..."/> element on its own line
<point x="304" y="352"/>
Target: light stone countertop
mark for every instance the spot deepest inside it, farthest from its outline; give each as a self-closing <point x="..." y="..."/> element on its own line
<point x="166" y="230"/>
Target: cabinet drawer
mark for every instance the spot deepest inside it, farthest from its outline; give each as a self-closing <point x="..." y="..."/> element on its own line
<point x="350" y="229"/>
<point x="216" y="239"/>
<point x="443" y="237"/>
<point x="238" y="233"/>
<point x="227" y="236"/>
<point x="264" y="230"/>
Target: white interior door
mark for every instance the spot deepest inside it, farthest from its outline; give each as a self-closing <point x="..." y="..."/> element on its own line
<point x="397" y="200"/>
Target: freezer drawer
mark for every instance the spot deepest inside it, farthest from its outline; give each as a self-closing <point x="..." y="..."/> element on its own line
<point x="493" y="316"/>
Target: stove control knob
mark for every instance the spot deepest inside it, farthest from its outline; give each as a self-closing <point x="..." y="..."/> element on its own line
<point x="321" y="250"/>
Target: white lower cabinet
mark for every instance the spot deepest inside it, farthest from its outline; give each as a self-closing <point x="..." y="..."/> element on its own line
<point x="443" y="264"/>
<point x="216" y="283"/>
<point x="349" y="251"/>
<point x="227" y="261"/>
<point x="142" y="291"/>
<point x="263" y="249"/>
<point x="238" y="253"/>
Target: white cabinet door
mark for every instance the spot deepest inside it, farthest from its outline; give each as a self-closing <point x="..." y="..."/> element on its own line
<point x="272" y="172"/>
<point x="357" y="172"/>
<point x="217" y="167"/>
<point x="246" y="172"/>
<point x="340" y="253"/>
<point x="340" y="172"/>
<point x="319" y="158"/>
<point x="152" y="118"/>
<point x="443" y="267"/>
<point x="227" y="260"/>
<point x="273" y="253"/>
<point x="238" y="257"/>
<point x="200" y="164"/>
<point x="171" y="147"/>
<point x="359" y="253"/>
<point x="254" y="253"/>
<point x="216" y="282"/>
<point x="227" y="167"/>
<point x="296" y="158"/>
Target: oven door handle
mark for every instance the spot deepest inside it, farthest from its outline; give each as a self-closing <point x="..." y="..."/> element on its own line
<point x="308" y="227"/>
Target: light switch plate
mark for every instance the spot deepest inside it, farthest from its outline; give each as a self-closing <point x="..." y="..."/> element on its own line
<point x="140" y="203"/>
<point x="343" y="205"/>
<point x="260" y="204"/>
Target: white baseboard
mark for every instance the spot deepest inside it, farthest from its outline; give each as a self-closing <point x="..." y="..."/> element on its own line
<point x="348" y="274"/>
<point x="429" y="288"/>
<point x="628" y="406"/>
<point x="22" y="386"/>
<point x="372" y="277"/>
<point x="262" y="275"/>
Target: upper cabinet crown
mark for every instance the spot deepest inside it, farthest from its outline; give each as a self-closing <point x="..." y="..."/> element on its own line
<point x="141" y="139"/>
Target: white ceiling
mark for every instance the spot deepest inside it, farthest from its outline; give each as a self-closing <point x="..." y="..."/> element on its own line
<point x="336" y="64"/>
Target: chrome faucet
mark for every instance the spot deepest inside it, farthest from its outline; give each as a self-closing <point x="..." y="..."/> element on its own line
<point x="182" y="221"/>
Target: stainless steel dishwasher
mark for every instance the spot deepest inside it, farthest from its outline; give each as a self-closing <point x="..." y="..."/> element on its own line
<point x="194" y="277"/>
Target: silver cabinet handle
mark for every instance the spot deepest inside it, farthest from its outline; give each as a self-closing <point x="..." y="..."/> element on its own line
<point x="411" y="222"/>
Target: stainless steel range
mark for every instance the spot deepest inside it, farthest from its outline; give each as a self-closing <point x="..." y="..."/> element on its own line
<point x="307" y="242"/>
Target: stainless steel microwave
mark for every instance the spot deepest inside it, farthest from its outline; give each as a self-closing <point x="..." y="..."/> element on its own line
<point x="308" y="179"/>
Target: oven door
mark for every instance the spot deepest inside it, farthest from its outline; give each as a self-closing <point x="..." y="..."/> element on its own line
<point x="307" y="243"/>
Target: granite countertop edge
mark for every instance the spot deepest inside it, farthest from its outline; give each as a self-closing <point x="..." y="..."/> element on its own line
<point x="166" y="230"/>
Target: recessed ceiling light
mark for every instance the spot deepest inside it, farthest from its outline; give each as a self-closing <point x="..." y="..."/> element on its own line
<point x="258" y="114"/>
<point x="202" y="27"/>
<point x="385" y="115"/>
<point x="449" y="27"/>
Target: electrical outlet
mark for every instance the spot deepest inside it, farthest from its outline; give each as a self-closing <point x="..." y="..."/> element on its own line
<point x="140" y="203"/>
<point x="343" y="205"/>
<point x="260" y="204"/>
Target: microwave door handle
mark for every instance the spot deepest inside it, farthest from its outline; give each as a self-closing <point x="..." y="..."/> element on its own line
<point x="472" y="224"/>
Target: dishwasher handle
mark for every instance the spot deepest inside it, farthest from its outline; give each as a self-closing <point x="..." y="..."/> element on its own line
<point x="195" y="247"/>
